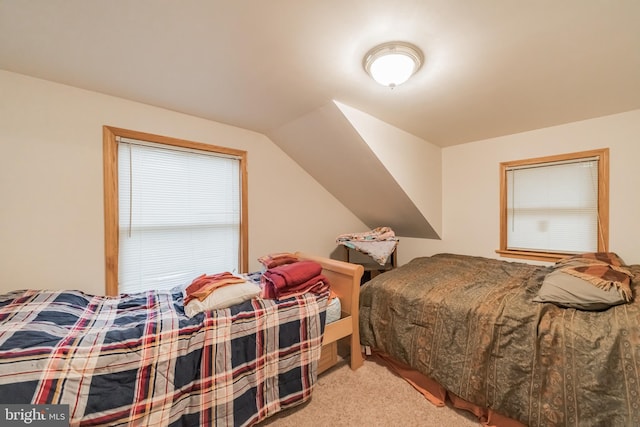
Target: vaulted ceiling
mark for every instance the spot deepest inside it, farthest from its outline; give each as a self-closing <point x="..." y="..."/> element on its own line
<point x="493" y="67"/>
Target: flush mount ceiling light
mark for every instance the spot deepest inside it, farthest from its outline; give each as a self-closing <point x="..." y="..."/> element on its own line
<point x="393" y="63"/>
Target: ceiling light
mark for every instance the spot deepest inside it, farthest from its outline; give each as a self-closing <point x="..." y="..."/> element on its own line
<point x="393" y="63"/>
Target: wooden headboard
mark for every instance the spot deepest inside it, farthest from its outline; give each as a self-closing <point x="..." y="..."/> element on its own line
<point x="344" y="279"/>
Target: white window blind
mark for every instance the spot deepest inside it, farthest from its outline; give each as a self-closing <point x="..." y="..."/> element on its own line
<point x="553" y="207"/>
<point x="179" y="215"/>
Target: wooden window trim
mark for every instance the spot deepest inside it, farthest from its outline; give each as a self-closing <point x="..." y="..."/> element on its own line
<point x="603" y="203"/>
<point x="110" y="171"/>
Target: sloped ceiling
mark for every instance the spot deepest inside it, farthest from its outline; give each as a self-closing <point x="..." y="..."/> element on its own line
<point x="493" y="67"/>
<point x="329" y="148"/>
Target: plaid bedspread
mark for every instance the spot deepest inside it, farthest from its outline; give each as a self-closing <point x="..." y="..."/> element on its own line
<point x="138" y="360"/>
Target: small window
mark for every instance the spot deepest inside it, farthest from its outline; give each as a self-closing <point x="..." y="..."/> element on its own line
<point x="177" y="211"/>
<point x="555" y="206"/>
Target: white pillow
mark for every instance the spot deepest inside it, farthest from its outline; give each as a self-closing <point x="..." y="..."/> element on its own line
<point x="223" y="297"/>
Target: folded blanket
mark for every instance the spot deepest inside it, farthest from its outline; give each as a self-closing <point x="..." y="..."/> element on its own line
<point x="292" y="279"/>
<point x="294" y="274"/>
<point x="203" y="285"/>
<point x="316" y="285"/>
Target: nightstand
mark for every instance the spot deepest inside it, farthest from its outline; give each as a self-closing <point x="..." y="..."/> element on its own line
<point x="371" y="268"/>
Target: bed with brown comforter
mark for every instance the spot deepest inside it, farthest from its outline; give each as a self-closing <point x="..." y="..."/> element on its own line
<point x="469" y="323"/>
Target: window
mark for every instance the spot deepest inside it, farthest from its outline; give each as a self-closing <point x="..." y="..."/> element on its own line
<point x="174" y="209"/>
<point x="555" y="206"/>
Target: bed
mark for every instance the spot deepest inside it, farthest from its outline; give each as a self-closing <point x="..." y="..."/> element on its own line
<point x="467" y="329"/>
<point x="345" y="281"/>
<point x="139" y="360"/>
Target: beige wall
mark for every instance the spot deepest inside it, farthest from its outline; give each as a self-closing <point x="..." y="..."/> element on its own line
<point x="471" y="184"/>
<point x="414" y="163"/>
<point x="51" y="219"/>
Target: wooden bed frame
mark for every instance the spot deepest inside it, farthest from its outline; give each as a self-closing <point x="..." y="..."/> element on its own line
<point x="344" y="279"/>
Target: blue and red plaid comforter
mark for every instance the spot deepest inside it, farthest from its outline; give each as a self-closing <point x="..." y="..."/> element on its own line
<point x="138" y="359"/>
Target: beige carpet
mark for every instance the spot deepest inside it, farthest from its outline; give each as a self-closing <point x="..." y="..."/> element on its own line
<point x="370" y="396"/>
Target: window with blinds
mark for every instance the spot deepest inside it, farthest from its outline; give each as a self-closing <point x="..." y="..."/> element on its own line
<point x="555" y="206"/>
<point x="179" y="214"/>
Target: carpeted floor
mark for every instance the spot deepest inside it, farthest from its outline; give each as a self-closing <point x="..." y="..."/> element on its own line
<point x="370" y="396"/>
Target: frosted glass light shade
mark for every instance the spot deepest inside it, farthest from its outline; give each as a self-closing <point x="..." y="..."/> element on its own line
<point x="391" y="64"/>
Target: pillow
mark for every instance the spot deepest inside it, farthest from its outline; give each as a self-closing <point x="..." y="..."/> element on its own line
<point x="569" y="291"/>
<point x="203" y="285"/>
<point x="223" y="297"/>
<point x="334" y="310"/>
<point x="603" y="270"/>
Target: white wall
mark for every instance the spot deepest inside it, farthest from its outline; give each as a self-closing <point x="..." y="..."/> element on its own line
<point x="51" y="217"/>
<point x="414" y="163"/>
<point x="51" y="213"/>
<point x="471" y="184"/>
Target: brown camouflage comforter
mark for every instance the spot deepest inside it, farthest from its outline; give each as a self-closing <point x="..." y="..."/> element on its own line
<point x="469" y="323"/>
